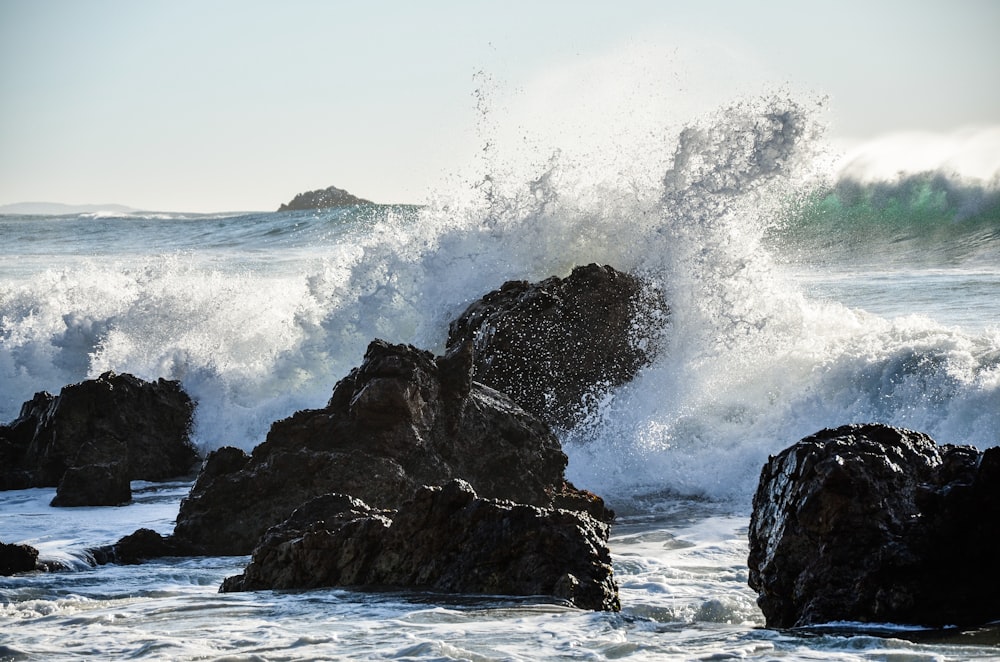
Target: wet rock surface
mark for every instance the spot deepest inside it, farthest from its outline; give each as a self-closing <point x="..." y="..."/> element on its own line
<point x="401" y="420"/>
<point x="556" y="345"/>
<point x="137" y="547"/>
<point x="877" y="524"/>
<point x="445" y="539"/>
<point x="94" y="484"/>
<point x="15" y="559"/>
<point x="96" y="436"/>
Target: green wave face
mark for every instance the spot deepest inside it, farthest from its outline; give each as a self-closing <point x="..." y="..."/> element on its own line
<point x="927" y="217"/>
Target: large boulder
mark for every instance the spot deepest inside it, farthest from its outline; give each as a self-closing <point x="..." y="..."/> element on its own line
<point x="877" y="524"/>
<point x="323" y="199"/>
<point x="116" y="426"/>
<point x="444" y="539"/>
<point x="401" y="420"/>
<point x="557" y="345"/>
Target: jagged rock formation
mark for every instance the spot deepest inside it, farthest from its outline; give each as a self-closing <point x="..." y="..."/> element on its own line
<point x="402" y="420"/>
<point x="877" y="524"/>
<point x="96" y="436"/>
<point x="554" y="345"/>
<point x="444" y="539"/>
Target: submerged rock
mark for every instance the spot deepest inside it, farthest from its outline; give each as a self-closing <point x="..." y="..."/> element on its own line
<point x="323" y="199"/>
<point x="137" y="547"/>
<point x="401" y="420"/>
<point x="555" y="345"/>
<point x="15" y="559"/>
<point x="444" y="539"/>
<point x="96" y="436"/>
<point x="877" y="524"/>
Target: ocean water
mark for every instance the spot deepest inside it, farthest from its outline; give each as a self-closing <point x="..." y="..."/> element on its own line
<point x="803" y="296"/>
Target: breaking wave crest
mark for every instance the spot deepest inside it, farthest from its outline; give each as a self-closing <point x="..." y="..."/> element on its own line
<point x="259" y="315"/>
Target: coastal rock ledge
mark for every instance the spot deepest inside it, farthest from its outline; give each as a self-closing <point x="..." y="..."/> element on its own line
<point x="445" y="539"/>
<point x="401" y="420"/>
<point x="877" y="524"/>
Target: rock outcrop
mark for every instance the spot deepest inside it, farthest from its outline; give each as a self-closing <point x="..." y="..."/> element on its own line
<point x="444" y="539"/>
<point x="96" y="436"/>
<point x="553" y="346"/>
<point x="15" y="559"/>
<point x="401" y="420"/>
<point x="323" y="199"/>
<point x="877" y="524"/>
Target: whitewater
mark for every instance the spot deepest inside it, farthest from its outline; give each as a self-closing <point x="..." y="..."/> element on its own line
<point x="803" y="295"/>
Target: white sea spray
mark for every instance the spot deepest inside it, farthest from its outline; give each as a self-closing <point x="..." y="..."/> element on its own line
<point x="258" y="315"/>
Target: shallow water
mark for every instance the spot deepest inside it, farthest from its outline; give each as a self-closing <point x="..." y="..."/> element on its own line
<point x="681" y="571"/>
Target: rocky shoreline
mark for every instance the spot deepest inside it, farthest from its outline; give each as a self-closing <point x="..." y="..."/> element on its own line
<point x="442" y="473"/>
<point x="405" y="432"/>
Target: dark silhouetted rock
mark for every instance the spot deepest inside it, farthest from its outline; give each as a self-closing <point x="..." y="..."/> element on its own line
<point x="401" y="420"/>
<point x="15" y="559"/>
<point x="445" y="539"/>
<point x="16" y="438"/>
<point x="135" y="430"/>
<point x="556" y="346"/>
<point x="322" y="199"/>
<point x="94" y="485"/>
<point x="877" y="524"/>
<point x="137" y="547"/>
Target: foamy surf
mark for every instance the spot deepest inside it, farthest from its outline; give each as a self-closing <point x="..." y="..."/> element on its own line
<point x="259" y="315"/>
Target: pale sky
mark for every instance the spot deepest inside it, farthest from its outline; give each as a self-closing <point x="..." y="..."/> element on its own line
<point x="226" y="105"/>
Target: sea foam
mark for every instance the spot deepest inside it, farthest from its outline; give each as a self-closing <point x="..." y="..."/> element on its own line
<point x="259" y="315"/>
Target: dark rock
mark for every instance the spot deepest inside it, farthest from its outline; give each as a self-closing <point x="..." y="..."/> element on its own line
<point x="877" y="524"/>
<point x="99" y="476"/>
<point x="401" y="420"/>
<point x="94" y="485"/>
<point x="16" y="438"/>
<point x="15" y="559"/>
<point x="445" y="539"/>
<point x="322" y="199"/>
<point x="137" y="547"/>
<point x="275" y="564"/>
<point x="557" y="345"/>
<point x="225" y="460"/>
<point x="112" y="420"/>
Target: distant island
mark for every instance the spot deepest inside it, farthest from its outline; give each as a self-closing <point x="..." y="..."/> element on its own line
<point x="322" y="199"/>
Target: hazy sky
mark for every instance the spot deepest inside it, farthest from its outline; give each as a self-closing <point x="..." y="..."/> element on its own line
<point x="215" y="105"/>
